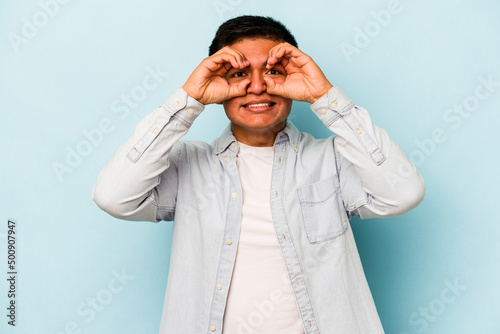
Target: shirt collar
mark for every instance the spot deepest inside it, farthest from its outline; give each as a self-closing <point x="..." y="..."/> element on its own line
<point x="290" y="133"/>
<point x="225" y="139"/>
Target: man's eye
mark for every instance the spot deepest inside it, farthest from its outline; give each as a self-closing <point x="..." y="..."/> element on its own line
<point x="238" y="74"/>
<point x="273" y="71"/>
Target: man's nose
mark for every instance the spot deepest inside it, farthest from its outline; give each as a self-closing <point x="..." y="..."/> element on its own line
<point x="257" y="84"/>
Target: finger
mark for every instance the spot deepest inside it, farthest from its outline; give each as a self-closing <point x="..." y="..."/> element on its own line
<point x="237" y="54"/>
<point x="273" y="88"/>
<point x="241" y="56"/>
<point x="276" y="57"/>
<point x="280" y="52"/>
<point x="285" y="53"/>
<point x="276" y="47"/>
<point x="271" y="60"/>
<point x="284" y="62"/>
<point x="239" y="89"/>
<point x="216" y="62"/>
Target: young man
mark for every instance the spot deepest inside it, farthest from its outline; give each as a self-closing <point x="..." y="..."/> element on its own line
<point x="261" y="241"/>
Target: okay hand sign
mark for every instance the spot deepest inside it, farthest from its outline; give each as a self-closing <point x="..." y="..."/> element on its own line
<point x="304" y="80"/>
<point x="207" y="83"/>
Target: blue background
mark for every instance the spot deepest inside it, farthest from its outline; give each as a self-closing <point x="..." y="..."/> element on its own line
<point x="68" y="75"/>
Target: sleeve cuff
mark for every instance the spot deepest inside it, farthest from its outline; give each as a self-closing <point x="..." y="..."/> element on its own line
<point x="183" y="105"/>
<point x="353" y="123"/>
<point x="180" y="106"/>
<point x="332" y="106"/>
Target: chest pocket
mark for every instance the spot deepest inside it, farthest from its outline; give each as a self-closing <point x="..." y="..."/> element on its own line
<point x="322" y="210"/>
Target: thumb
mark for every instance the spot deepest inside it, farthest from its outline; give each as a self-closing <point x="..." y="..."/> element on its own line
<point x="272" y="87"/>
<point x="240" y="89"/>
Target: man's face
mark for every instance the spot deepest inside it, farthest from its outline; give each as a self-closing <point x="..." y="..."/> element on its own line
<point x="257" y="111"/>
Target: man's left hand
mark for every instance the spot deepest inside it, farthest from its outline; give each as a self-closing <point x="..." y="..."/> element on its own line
<point x="304" y="81"/>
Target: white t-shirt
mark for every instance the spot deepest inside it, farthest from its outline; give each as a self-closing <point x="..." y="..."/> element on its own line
<point x="261" y="298"/>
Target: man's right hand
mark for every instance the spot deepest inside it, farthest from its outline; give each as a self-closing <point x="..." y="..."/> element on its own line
<point x="207" y="83"/>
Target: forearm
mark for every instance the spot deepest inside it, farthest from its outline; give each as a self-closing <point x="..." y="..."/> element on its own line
<point x="125" y="186"/>
<point x="390" y="179"/>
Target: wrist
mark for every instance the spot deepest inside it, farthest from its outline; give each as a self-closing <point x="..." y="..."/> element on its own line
<point x="324" y="92"/>
<point x="191" y="93"/>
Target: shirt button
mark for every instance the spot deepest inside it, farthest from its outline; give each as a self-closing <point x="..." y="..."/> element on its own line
<point x="228" y="159"/>
<point x="229" y="241"/>
<point x="212" y="328"/>
<point x="219" y="286"/>
<point x="190" y="111"/>
<point x="234" y="195"/>
<point x="180" y="104"/>
<point x="323" y="110"/>
<point x="219" y="149"/>
<point x="359" y="131"/>
<point x="233" y="144"/>
<point x="334" y="104"/>
<point x="156" y="130"/>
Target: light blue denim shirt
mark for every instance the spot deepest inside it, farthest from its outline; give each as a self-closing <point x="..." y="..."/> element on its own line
<point x="317" y="185"/>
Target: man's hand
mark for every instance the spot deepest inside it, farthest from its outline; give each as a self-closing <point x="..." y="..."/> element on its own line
<point x="207" y="83"/>
<point x="304" y="81"/>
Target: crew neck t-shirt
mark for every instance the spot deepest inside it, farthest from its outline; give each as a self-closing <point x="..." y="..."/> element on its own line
<point x="261" y="298"/>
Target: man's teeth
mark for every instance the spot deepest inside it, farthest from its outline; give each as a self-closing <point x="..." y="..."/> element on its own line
<point x="259" y="105"/>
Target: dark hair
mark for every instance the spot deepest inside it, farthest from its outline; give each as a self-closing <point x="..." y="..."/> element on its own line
<point x="250" y="26"/>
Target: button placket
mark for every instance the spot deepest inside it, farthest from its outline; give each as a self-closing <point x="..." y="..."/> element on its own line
<point x="230" y="241"/>
<point x="286" y="243"/>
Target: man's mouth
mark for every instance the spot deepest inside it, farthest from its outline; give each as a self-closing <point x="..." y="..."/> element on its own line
<point x="259" y="105"/>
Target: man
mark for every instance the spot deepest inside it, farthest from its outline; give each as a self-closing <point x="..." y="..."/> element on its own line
<point x="261" y="241"/>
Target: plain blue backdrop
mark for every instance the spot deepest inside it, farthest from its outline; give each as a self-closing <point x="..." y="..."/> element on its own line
<point x="72" y="89"/>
